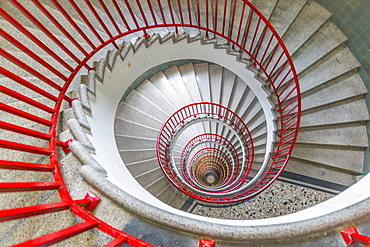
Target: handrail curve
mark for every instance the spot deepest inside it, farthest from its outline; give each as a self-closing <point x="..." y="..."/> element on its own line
<point x="264" y="47"/>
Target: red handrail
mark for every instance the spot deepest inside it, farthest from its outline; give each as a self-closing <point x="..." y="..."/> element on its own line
<point x="266" y="50"/>
<point x="204" y="111"/>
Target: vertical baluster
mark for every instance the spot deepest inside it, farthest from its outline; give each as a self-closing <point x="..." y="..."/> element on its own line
<point x="251" y="13"/>
<point x="73" y="23"/>
<point x="86" y="20"/>
<point x="216" y="16"/>
<point x="262" y="38"/>
<point x="207" y="15"/>
<point x="101" y="22"/>
<point x="180" y="10"/>
<point x="110" y="16"/>
<point x="59" y="26"/>
<point x="231" y="26"/>
<point x="162" y="13"/>
<point x="189" y="13"/>
<point x="152" y="12"/>
<point x="35" y="56"/>
<point x="224" y="19"/>
<point x="172" y="16"/>
<point x="119" y="11"/>
<point x="240" y="25"/>
<point x="255" y="34"/>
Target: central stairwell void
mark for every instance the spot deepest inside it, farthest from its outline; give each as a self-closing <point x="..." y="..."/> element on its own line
<point x="155" y="104"/>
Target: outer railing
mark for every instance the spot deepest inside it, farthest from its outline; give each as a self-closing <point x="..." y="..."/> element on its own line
<point x="236" y="21"/>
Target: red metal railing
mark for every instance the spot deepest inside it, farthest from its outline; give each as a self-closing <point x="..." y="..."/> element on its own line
<point x="230" y="170"/>
<point x="236" y="21"/>
<point x="204" y="111"/>
<point x="352" y="236"/>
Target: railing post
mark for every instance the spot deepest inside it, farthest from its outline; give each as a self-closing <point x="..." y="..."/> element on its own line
<point x="351" y="236"/>
<point x="206" y="243"/>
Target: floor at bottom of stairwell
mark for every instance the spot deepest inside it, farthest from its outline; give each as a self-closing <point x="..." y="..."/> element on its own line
<point x="281" y="198"/>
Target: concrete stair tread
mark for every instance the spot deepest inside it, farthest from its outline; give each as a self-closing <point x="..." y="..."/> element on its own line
<point x="328" y="93"/>
<point x="162" y="84"/>
<point x="299" y="32"/>
<point x="133" y="156"/>
<point x="285" y="12"/>
<point x="215" y="80"/>
<point x="142" y="166"/>
<point x="175" y="79"/>
<point x="265" y="7"/>
<point x="123" y="126"/>
<point x="190" y="81"/>
<point x="345" y="112"/>
<point x="315" y="170"/>
<point x="228" y="81"/>
<point x="156" y="187"/>
<point x="127" y="112"/>
<point x="150" y="92"/>
<point x="130" y="142"/>
<point x="139" y="102"/>
<point x="349" y="159"/>
<point x="349" y="135"/>
<point x="202" y="77"/>
<point x="314" y="50"/>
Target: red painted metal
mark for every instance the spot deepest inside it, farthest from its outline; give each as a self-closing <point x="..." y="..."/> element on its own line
<point x="24" y="148"/>
<point x="130" y="240"/>
<point x="206" y="243"/>
<point x="25" y="99"/>
<point x="192" y="112"/>
<point x="45" y="30"/>
<point x="23" y="114"/>
<point x="352" y="236"/>
<point x="25" y="131"/>
<point x="285" y="85"/>
<point x="101" y="22"/>
<point x="28" y="186"/>
<point x="73" y="23"/>
<point x="89" y="202"/>
<point x="59" y="26"/>
<point x="55" y="237"/>
<point x="27" y="84"/>
<point x="16" y="165"/>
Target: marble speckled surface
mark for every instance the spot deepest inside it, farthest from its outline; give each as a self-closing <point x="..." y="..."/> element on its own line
<point x="281" y="198"/>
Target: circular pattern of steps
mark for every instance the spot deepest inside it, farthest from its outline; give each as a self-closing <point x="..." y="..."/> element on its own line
<point x="141" y="115"/>
<point x="329" y="147"/>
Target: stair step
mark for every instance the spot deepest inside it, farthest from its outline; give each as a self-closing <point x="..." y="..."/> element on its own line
<point x="139" y="102"/>
<point x="188" y="76"/>
<point x="344" y="135"/>
<point x="123" y="127"/>
<point x="202" y="76"/>
<point x="132" y="156"/>
<point x="147" y="89"/>
<point x="142" y="166"/>
<point x="175" y="79"/>
<point x="132" y="114"/>
<point x="334" y="91"/>
<point x="349" y="159"/>
<point x="316" y="170"/>
<point x="215" y="82"/>
<point x="130" y="142"/>
<point x="340" y="113"/>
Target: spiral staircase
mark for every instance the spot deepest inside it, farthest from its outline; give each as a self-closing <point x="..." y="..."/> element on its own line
<point x="150" y="104"/>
